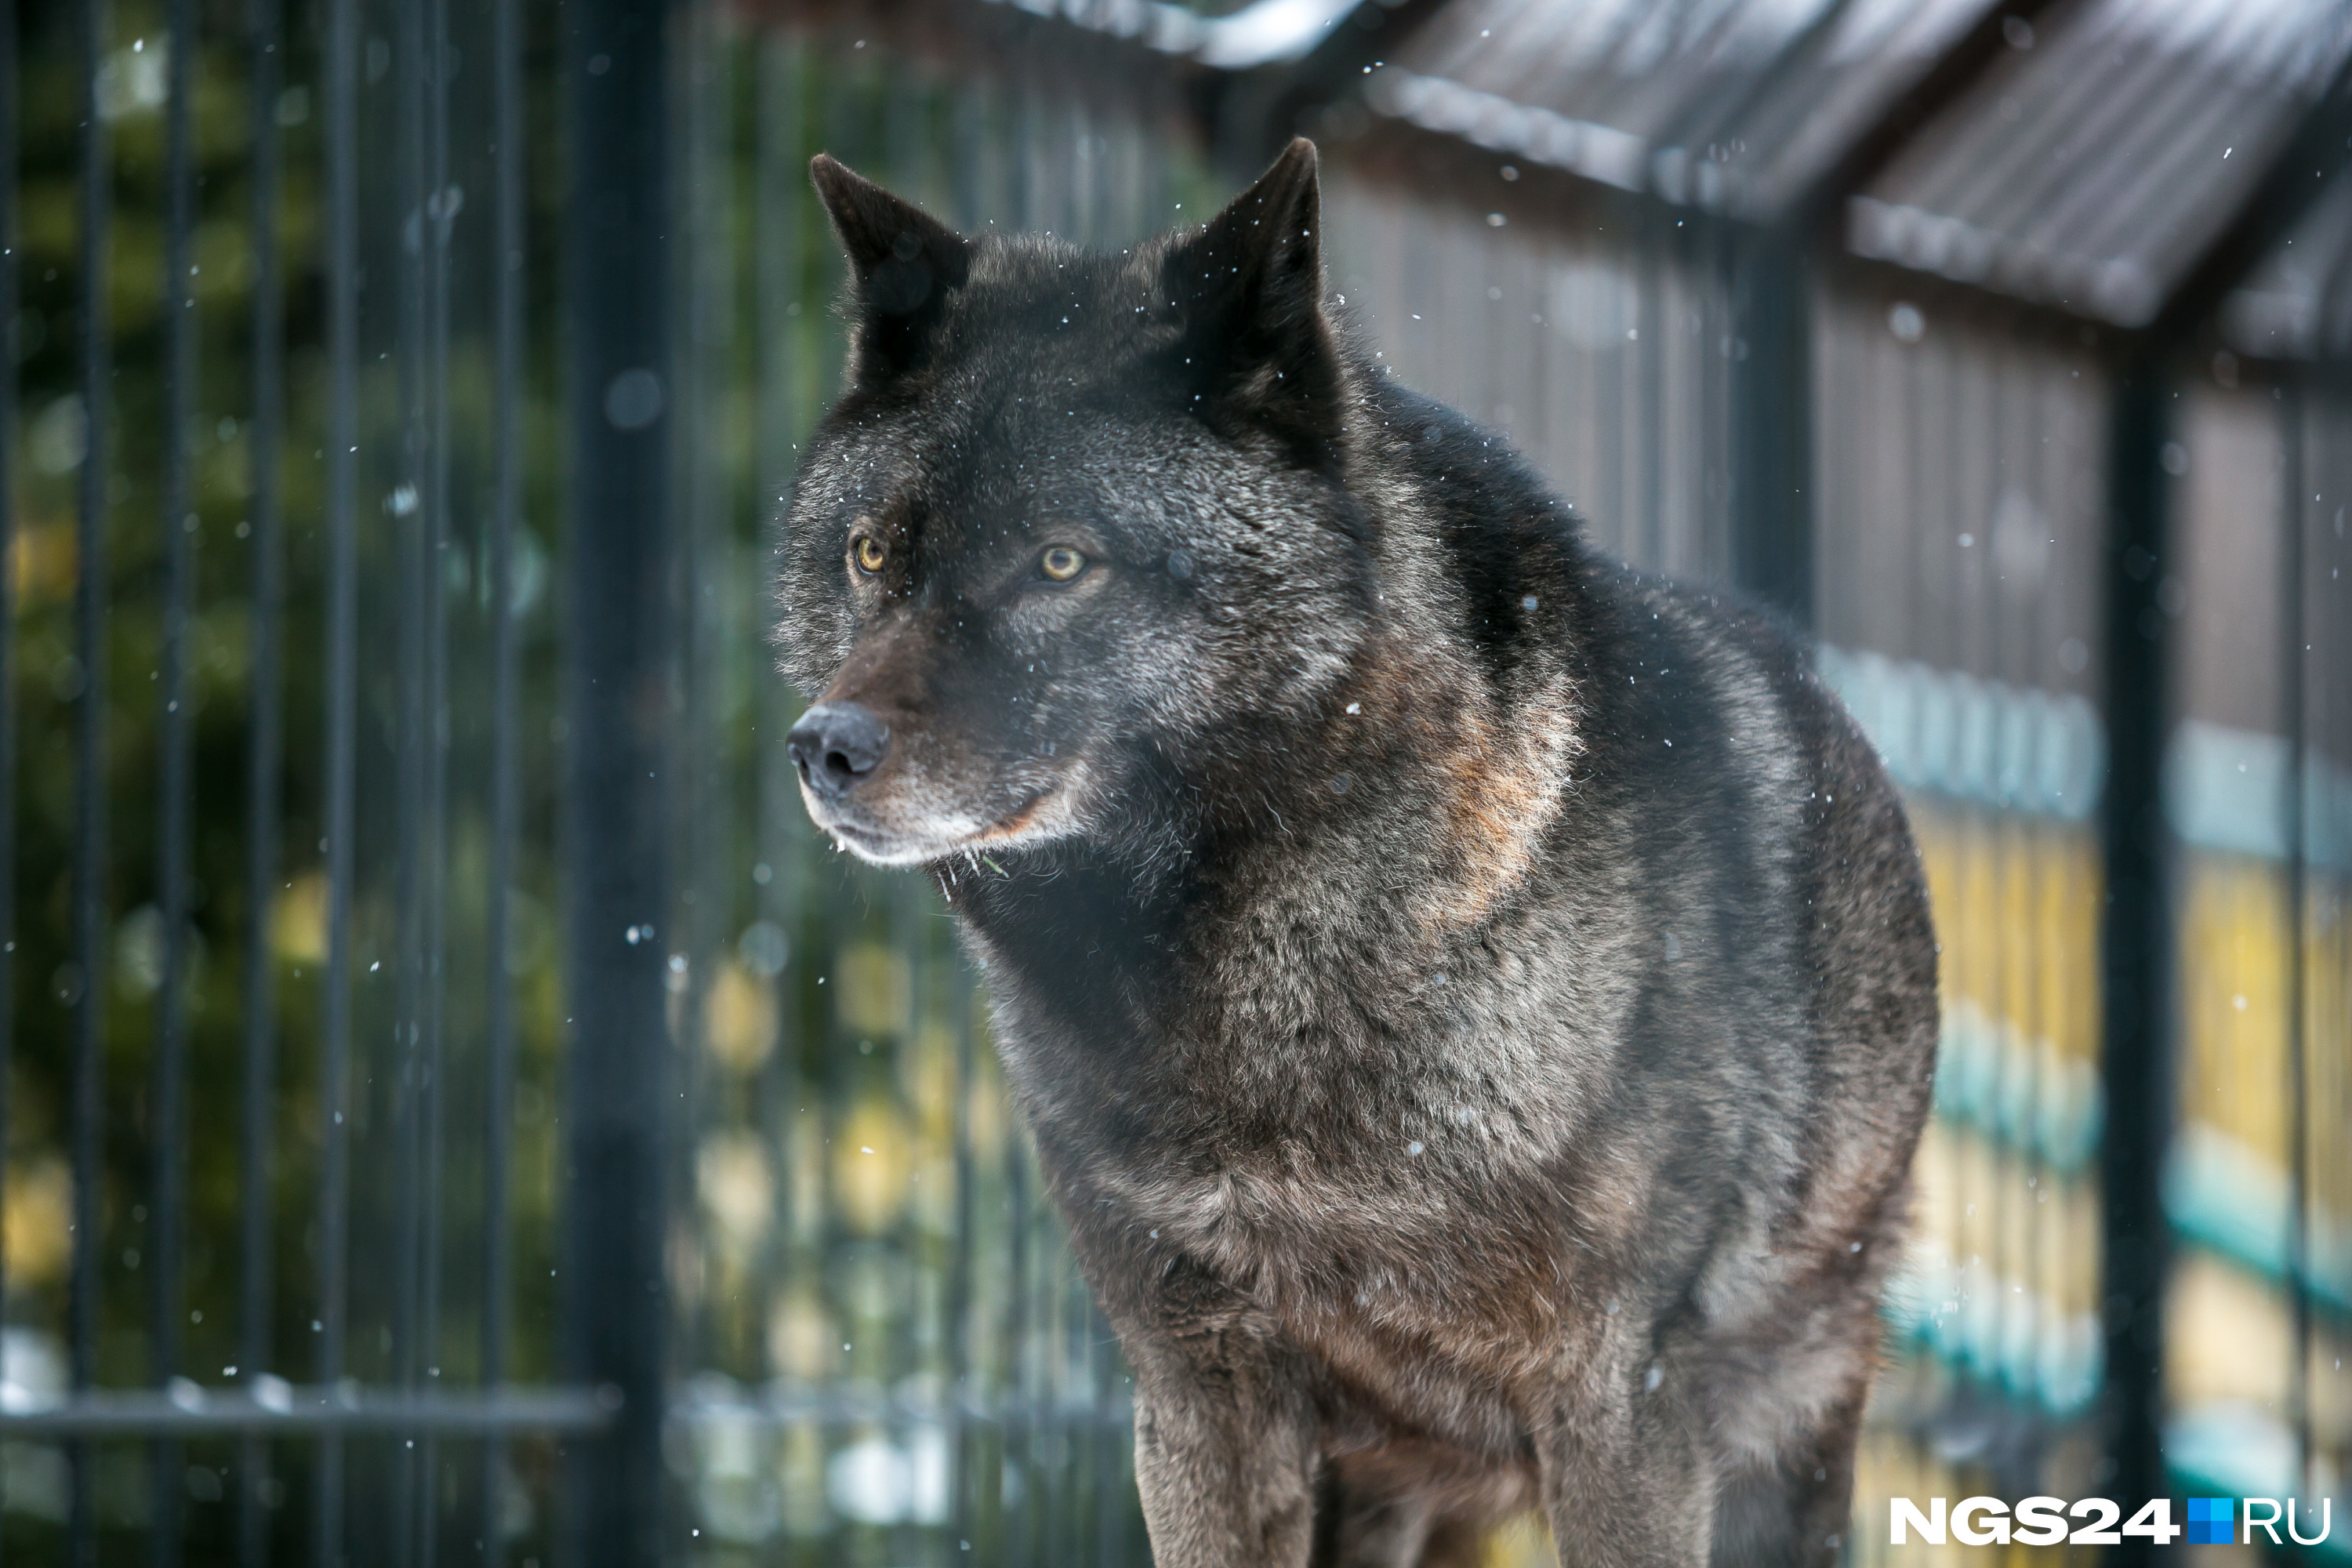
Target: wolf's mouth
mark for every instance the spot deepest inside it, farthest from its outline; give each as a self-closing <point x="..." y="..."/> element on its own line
<point x="883" y="845"/>
<point x="871" y="840"/>
<point x="1011" y="826"/>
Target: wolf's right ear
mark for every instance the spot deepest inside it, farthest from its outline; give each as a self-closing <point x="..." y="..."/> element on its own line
<point x="903" y="260"/>
<point x="1249" y="289"/>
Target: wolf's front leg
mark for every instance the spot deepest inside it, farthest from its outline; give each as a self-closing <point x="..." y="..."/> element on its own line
<point x="1224" y="1450"/>
<point x="1626" y="1482"/>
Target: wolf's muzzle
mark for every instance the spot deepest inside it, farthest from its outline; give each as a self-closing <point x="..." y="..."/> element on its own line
<point x="838" y="746"/>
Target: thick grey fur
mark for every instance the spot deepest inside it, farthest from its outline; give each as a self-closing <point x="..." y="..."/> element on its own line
<point x="1476" y="1003"/>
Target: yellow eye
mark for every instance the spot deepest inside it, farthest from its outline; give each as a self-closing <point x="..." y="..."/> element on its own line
<point x="869" y="554"/>
<point x="1061" y="563"/>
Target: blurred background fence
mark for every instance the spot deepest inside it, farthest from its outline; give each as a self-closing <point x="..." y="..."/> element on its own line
<point x="456" y="1110"/>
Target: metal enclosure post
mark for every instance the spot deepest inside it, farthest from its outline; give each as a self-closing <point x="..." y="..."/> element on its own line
<point x="616" y="770"/>
<point x="2136" y="947"/>
<point x="1771" y="422"/>
<point x="8" y="656"/>
<point x="91" y="909"/>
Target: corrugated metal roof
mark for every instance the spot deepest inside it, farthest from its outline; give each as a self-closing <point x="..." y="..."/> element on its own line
<point x="2296" y="303"/>
<point x="1260" y="33"/>
<point x="2091" y="168"/>
<point x="1829" y="90"/>
<point x="1736" y="104"/>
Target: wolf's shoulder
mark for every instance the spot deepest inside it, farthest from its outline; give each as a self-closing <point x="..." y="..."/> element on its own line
<point x="1473" y="478"/>
<point x="1711" y="622"/>
<point x="1700" y="647"/>
<point x="1652" y="653"/>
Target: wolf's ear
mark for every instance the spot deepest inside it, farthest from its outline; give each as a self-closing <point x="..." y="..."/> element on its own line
<point x="1249" y="291"/>
<point x="905" y="260"/>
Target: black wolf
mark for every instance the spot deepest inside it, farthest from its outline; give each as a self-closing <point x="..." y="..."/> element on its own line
<point x="1475" y="1005"/>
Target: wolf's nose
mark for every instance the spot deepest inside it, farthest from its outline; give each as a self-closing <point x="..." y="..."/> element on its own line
<point x="838" y="746"/>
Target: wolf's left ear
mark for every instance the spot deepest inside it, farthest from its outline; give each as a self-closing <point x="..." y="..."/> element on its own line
<point x="905" y="260"/>
<point x="1249" y="289"/>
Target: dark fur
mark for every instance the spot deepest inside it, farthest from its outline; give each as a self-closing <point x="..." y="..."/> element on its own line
<point x="1475" y="1005"/>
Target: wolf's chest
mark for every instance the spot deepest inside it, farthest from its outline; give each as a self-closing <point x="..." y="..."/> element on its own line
<point x="1368" y="1229"/>
<point x="1368" y="1275"/>
<point x="1313" y="1153"/>
<point x="1349" y="1167"/>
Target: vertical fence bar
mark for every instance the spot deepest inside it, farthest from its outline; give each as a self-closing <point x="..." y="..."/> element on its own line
<point x="168" y="1115"/>
<point x="2137" y="945"/>
<point x="413" y="522"/>
<point x="1648" y="364"/>
<point x="1108" y="1517"/>
<point x="1015" y="1389"/>
<point x="341" y="99"/>
<point x="619" y="663"/>
<point x="1772" y="439"/>
<point x="90" y="765"/>
<point x="438" y="217"/>
<point x="699" y="796"/>
<point x="264" y="758"/>
<point x="505" y="88"/>
<point x="2298" y="1236"/>
<point x="1613" y="486"/>
<point x="10" y="102"/>
<point x="963" y="1395"/>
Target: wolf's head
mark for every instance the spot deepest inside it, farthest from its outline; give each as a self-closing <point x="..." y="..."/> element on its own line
<point x="1077" y="535"/>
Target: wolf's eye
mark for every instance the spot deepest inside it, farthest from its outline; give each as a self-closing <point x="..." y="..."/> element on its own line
<point x="1061" y="563"/>
<point x="869" y="554"/>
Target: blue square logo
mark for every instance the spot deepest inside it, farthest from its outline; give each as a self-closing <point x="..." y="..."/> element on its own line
<point x="2209" y="1521"/>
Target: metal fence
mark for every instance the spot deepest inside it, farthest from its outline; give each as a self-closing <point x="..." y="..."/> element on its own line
<point x="458" y="1109"/>
<point x="271" y="577"/>
<point x="462" y="1062"/>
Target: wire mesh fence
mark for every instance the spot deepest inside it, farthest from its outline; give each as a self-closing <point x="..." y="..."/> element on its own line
<point x="267" y="546"/>
<point x="286" y="1184"/>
